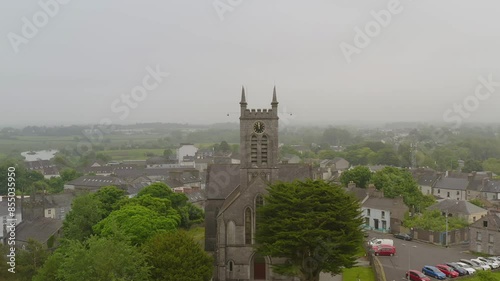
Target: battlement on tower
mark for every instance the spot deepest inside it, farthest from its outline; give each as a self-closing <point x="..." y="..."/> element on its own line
<point x="259" y="113"/>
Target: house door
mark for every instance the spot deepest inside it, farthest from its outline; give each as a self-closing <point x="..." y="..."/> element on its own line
<point x="259" y="268"/>
<point x="375" y="221"/>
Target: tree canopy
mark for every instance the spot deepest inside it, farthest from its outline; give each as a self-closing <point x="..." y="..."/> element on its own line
<point x="360" y="175"/>
<point x="314" y="225"/>
<point x="176" y="256"/>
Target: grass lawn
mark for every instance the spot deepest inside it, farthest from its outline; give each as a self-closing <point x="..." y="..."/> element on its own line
<point x="495" y="274"/>
<point x="358" y="273"/>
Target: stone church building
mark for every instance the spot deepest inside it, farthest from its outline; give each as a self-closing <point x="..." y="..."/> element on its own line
<point x="234" y="191"/>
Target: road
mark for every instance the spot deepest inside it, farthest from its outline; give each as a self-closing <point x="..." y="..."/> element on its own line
<point x="415" y="254"/>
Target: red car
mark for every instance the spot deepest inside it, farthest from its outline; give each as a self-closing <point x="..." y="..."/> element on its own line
<point x="416" y="275"/>
<point x="384" y="250"/>
<point x="448" y="271"/>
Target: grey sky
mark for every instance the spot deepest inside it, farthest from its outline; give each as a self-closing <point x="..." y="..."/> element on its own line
<point x="89" y="53"/>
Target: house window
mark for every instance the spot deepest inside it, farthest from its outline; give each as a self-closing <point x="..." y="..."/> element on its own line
<point x="49" y="211"/>
<point x="448" y="194"/>
<point x="490" y="238"/>
<point x="248" y="226"/>
<point x="485" y="223"/>
<point x="383" y="215"/>
<point x="367" y="221"/>
<point x="478" y="236"/>
<point x="384" y="224"/>
<point x="368" y="212"/>
<point x="439" y="191"/>
<point x="473" y="218"/>
<point x="458" y="192"/>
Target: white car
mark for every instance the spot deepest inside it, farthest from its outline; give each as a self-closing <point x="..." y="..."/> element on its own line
<point x="484" y="265"/>
<point x="491" y="262"/>
<point x="467" y="267"/>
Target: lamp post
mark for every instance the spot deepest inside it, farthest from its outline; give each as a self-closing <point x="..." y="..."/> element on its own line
<point x="409" y="259"/>
<point x="446" y="233"/>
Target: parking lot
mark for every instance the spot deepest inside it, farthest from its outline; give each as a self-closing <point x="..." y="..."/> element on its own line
<point x="415" y="254"/>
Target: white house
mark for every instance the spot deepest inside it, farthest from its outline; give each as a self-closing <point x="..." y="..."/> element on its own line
<point x="186" y="149"/>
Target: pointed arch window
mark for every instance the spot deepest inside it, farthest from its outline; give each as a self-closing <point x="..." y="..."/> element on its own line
<point x="248" y="226"/>
<point x="231" y="233"/>
<point x="263" y="149"/>
<point x="253" y="149"/>
<point x="259" y="202"/>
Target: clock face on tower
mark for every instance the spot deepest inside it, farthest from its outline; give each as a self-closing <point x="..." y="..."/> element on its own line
<point x="258" y="127"/>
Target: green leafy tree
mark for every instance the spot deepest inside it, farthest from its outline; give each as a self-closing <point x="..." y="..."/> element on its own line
<point x="69" y="174"/>
<point x="30" y="259"/>
<point x="86" y="211"/>
<point x="435" y="221"/>
<point x="97" y="259"/>
<point x="109" y="197"/>
<point x="360" y="175"/>
<point x="399" y="182"/>
<point x="55" y="185"/>
<point x="472" y="166"/>
<point x="492" y="164"/>
<point x="136" y="223"/>
<point x="300" y="223"/>
<point x="176" y="256"/>
<point x="477" y="202"/>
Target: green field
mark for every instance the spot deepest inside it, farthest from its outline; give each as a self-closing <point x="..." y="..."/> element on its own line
<point x="131" y="154"/>
<point x="358" y="274"/>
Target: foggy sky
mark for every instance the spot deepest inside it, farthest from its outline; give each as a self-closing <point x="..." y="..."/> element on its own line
<point x="90" y="53"/>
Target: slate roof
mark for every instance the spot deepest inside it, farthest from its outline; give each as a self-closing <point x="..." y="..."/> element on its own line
<point x="96" y="181"/>
<point x="476" y="181"/>
<point x="492" y="219"/>
<point x="39" y="230"/>
<point x="457" y="207"/>
<point x="381" y="203"/>
<point x="452" y="183"/>
<point x="492" y="186"/>
<point x="59" y="200"/>
<point x="425" y="177"/>
<point x="222" y="179"/>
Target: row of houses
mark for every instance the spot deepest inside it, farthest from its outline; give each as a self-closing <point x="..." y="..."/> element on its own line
<point x="458" y="186"/>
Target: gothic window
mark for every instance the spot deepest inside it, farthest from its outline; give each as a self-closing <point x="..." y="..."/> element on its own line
<point x="248" y="226"/>
<point x="253" y="149"/>
<point x="230" y="234"/>
<point x="259" y="202"/>
<point x="230" y="266"/>
<point x="263" y="150"/>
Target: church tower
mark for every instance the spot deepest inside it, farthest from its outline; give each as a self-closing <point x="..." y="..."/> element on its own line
<point x="258" y="141"/>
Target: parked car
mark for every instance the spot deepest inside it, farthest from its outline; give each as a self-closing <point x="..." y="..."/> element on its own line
<point x="432" y="271"/>
<point x="384" y="250"/>
<point x="481" y="263"/>
<point x="376" y="242"/>
<point x="472" y="264"/>
<point x="461" y="271"/>
<point x="470" y="270"/>
<point x="403" y="236"/>
<point x="448" y="271"/>
<point x="416" y="275"/>
<point x="491" y="262"/>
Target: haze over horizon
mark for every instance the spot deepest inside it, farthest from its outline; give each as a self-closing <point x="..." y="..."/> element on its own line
<point x="76" y="68"/>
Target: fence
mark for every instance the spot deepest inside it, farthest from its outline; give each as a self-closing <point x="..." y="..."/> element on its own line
<point x="454" y="237"/>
